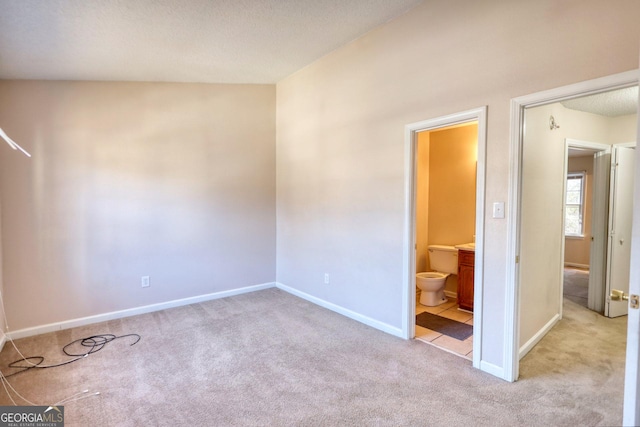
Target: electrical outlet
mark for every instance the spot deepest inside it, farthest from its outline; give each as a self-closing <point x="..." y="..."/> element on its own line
<point x="326" y="278"/>
<point x="145" y="282"/>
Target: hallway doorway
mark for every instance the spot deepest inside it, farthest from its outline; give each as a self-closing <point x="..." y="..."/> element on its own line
<point x="520" y="245"/>
<point x="446" y="169"/>
<point x="553" y="213"/>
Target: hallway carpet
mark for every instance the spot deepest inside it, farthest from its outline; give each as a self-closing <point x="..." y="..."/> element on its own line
<point x="269" y="358"/>
<point x="576" y="285"/>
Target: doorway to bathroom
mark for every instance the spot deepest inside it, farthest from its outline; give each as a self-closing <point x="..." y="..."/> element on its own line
<point x="522" y="284"/>
<point x="445" y="189"/>
<point x="445" y="220"/>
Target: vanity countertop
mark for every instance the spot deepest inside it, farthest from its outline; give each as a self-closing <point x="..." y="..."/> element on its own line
<point x="467" y="247"/>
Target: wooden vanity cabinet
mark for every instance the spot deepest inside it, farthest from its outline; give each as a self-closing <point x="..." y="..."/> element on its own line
<point x="466" y="262"/>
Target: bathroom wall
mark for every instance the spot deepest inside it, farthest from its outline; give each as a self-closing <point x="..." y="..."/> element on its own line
<point x="422" y="201"/>
<point x="577" y="249"/>
<point x="445" y="191"/>
<point x="452" y="189"/>
<point x="452" y="185"/>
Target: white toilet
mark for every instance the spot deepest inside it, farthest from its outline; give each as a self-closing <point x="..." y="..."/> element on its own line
<point x="444" y="260"/>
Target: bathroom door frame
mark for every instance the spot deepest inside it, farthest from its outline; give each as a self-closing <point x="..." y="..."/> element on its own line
<point x="478" y="115"/>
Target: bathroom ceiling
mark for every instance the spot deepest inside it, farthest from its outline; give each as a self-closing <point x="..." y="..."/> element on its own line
<point x="615" y="103"/>
<point x="213" y="41"/>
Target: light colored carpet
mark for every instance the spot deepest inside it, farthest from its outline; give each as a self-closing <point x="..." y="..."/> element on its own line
<point x="269" y="358"/>
<point x="576" y="285"/>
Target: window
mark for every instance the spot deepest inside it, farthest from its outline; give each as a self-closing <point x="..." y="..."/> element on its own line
<point x="574" y="207"/>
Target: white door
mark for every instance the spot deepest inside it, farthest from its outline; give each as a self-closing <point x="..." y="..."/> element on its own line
<point x="620" y="221"/>
<point x="599" y="230"/>
<point x="631" y="416"/>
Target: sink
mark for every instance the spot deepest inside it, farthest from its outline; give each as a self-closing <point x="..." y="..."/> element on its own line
<point x="467" y="247"/>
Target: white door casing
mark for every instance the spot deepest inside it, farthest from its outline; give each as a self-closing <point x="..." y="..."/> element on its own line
<point x="512" y="296"/>
<point x="631" y="412"/>
<point x="599" y="218"/>
<point x="599" y="228"/>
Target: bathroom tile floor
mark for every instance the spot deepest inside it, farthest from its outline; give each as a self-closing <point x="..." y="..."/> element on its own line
<point x="449" y="310"/>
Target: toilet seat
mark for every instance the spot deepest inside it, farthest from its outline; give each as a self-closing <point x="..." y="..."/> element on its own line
<point x="432" y="275"/>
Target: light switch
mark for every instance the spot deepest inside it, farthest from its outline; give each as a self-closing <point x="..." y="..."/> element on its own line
<point x="498" y="209"/>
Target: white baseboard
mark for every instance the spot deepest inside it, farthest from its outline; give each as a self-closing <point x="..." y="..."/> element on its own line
<point x="384" y="327"/>
<point x="57" y="326"/>
<point x="451" y="294"/>
<point x="51" y="327"/>
<point x="3" y="341"/>
<point x="490" y="368"/>
<point x="526" y="348"/>
<point x="576" y="265"/>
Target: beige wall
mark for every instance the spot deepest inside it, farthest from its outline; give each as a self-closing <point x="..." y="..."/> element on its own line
<point x="422" y="202"/>
<point x="341" y="148"/>
<point x="577" y="249"/>
<point x="173" y="181"/>
<point x="452" y="185"/>
<point x="623" y="129"/>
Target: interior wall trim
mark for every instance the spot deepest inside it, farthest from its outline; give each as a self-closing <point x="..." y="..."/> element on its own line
<point x="381" y="326"/>
<point x="67" y="324"/>
<point x="451" y="294"/>
<point x="58" y="326"/>
<point x="526" y="348"/>
<point x="492" y="369"/>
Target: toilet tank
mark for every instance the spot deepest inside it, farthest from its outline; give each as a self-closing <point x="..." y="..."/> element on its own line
<point x="443" y="259"/>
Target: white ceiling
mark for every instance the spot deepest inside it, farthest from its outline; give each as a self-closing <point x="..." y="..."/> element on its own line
<point x="214" y="41"/>
<point x="619" y="102"/>
<point x="614" y="103"/>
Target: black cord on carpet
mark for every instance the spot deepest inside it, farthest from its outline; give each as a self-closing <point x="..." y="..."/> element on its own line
<point x="93" y="344"/>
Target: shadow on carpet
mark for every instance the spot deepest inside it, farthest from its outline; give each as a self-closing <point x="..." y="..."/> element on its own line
<point x="448" y="327"/>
